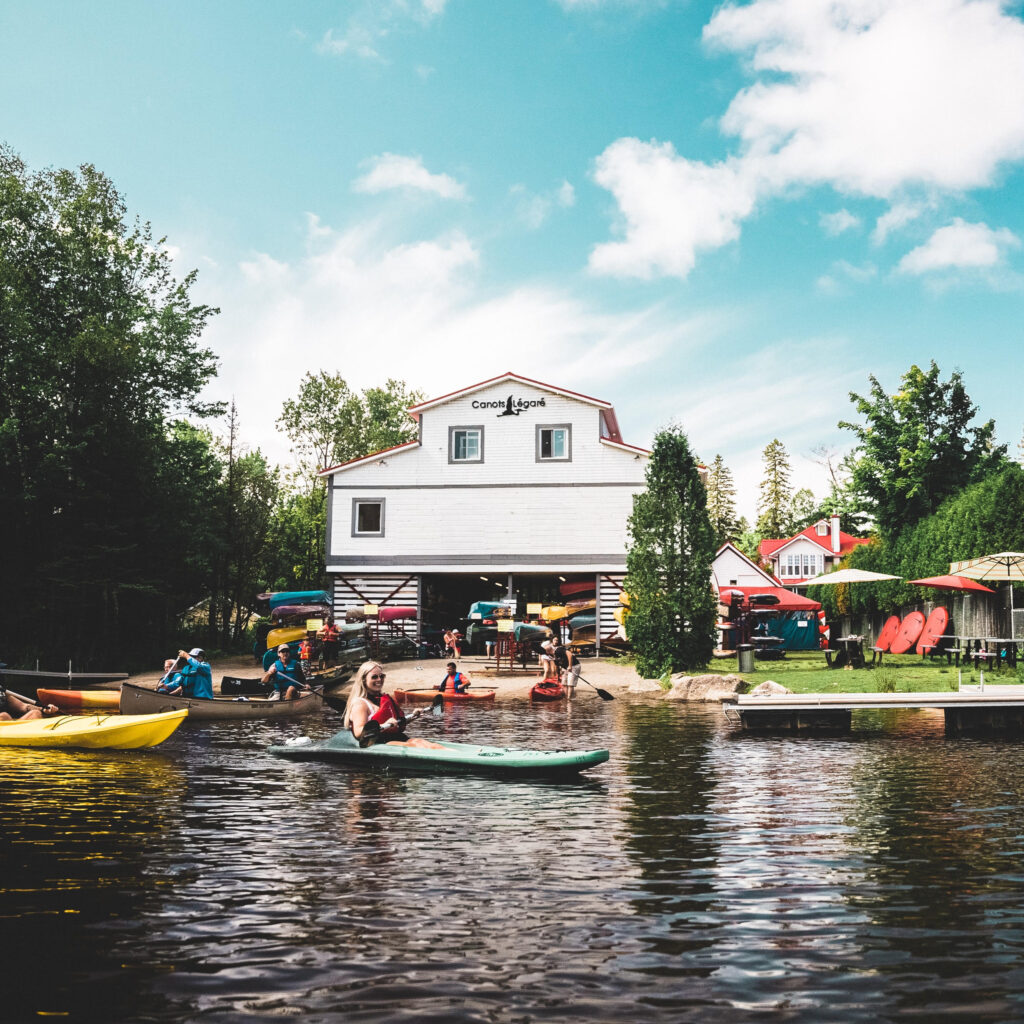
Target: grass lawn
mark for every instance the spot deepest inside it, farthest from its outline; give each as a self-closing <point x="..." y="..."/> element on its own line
<point x="806" y="672"/>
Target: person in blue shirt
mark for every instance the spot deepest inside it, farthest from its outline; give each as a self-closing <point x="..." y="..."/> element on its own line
<point x="193" y="677"/>
<point x="286" y="675"/>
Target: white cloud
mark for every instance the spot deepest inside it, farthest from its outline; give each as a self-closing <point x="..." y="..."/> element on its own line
<point x="838" y="222"/>
<point x="898" y="216"/>
<point x="844" y="273"/>
<point x="532" y="210"/>
<point x="566" y="194"/>
<point x="870" y="97"/>
<point x="672" y="207"/>
<point x="392" y="171"/>
<point x="371" y="21"/>
<point x="368" y="306"/>
<point x="960" y="246"/>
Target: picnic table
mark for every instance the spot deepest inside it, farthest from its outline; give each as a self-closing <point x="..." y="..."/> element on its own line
<point x="849" y="653"/>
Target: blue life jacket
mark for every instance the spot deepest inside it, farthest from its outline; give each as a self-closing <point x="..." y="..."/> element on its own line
<point x="458" y="685"/>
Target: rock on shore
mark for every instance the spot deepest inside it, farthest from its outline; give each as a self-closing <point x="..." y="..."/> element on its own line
<point x="708" y="688"/>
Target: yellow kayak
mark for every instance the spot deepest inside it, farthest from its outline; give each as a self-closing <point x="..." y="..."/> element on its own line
<point x="620" y="615"/>
<point x="284" y="635"/>
<point x="553" y="612"/>
<point x="623" y="598"/>
<point x="115" y="732"/>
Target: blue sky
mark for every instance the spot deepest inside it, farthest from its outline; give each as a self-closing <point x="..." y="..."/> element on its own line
<point x="725" y="216"/>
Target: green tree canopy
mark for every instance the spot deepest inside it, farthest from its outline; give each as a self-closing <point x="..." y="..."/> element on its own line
<point x="917" y="447"/>
<point x="102" y="495"/>
<point x="668" y="564"/>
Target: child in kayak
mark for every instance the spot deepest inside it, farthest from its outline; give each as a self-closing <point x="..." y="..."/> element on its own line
<point x="455" y="681"/>
<point x="367" y="702"/>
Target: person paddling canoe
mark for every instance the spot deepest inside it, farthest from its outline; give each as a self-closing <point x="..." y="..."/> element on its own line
<point x="368" y="703"/>
<point x="455" y="681"/>
<point x="286" y="674"/>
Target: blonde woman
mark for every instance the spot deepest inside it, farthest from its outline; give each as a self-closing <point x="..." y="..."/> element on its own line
<point x="367" y="702"/>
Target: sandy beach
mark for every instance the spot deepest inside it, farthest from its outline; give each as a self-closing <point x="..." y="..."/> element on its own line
<point x="612" y="675"/>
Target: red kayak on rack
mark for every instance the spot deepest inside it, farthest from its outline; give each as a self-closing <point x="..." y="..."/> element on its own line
<point x="547" y="691"/>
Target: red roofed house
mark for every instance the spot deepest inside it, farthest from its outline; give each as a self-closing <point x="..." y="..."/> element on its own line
<point x="811" y="552"/>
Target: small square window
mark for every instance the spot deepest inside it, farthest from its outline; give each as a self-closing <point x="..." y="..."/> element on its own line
<point x="367" y="517"/>
<point x="554" y="443"/>
<point x="466" y="444"/>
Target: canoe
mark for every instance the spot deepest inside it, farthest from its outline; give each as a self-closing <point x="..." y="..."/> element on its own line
<point x="138" y="700"/>
<point x="554" y="612"/>
<point x="530" y="631"/>
<point x="581" y="604"/>
<point x="76" y="700"/>
<point x="462" y="758"/>
<point x="549" y="691"/>
<point x="428" y="694"/>
<point x="581" y="620"/>
<point x="584" y="587"/>
<point x="909" y="632"/>
<point x="295" y="597"/>
<point x="288" y="612"/>
<point x="285" y="635"/>
<point x="239" y="686"/>
<point x="112" y="732"/>
<point x="388" y="613"/>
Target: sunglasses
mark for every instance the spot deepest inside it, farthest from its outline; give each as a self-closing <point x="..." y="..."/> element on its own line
<point x="379" y="675"/>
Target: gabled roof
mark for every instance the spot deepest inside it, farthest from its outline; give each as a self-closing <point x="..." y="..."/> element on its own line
<point x="769" y="579"/>
<point x="847" y="542"/>
<point x="599" y="403"/>
<point x="394" y="450"/>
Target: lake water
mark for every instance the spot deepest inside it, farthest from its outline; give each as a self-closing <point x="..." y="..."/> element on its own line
<point x="700" y="875"/>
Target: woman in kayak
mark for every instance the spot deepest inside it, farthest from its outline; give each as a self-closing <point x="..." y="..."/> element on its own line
<point x="455" y="681"/>
<point x="367" y="702"/>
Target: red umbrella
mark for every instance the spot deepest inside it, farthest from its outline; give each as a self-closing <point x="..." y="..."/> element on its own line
<point x="949" y="582"/>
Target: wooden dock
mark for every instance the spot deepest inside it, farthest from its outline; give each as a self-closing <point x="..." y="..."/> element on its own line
<point x="969" y="711"/>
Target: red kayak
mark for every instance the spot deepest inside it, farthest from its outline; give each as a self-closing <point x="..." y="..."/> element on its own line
<point x="427" y="693"/>
<point x="81" y="700"/>
<point x="583" y="587"/>
<point x="547" y="691"/>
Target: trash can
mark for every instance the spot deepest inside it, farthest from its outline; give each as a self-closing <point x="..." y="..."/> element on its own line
<point x="745" y="657"/>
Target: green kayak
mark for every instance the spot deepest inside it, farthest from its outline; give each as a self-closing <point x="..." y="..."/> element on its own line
<point x="469" y="758"/>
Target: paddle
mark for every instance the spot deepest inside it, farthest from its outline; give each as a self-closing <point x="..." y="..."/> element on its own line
<point x="33" y="703"/>
<point x="603" y="694"/>
<point x="371" y="730"/>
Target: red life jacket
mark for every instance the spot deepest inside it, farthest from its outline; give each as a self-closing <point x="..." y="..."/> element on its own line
<point x="388" y="709"/>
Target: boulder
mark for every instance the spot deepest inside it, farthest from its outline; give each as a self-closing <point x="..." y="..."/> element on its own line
<point x="645" y="686"/>
<point x="768" y="688"/>
<point x="709" y="688"/>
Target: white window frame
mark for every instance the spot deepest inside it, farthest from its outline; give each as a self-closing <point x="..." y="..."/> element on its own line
<point x="567" y="427"/>
<point x="453" y="431"/>
<point x="356" y="503"/>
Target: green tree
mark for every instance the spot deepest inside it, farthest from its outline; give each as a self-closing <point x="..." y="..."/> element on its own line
<point x="803" y="510"/>
<point x="774" y="502"/>
<point x="98" y="358"/>
<point x="328" y="424"/>
<point x="722" y="502"/>
<point x="917" y="447"/>
<point x="668" y="564"/>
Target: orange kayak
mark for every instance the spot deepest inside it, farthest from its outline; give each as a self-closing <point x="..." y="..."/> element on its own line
<point x="428" y="694"/>
<point x="78" y="700"/>
<point x="547" y="691"/>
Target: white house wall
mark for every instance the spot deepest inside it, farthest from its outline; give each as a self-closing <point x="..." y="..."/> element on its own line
<point x="510" y="511"/>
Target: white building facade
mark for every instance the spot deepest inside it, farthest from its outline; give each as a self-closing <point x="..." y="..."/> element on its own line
<point x="512" y="486"/>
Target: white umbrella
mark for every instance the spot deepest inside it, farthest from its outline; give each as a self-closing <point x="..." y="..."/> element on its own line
<point x="1004" y="567"/>
<point x="848" y="576"/>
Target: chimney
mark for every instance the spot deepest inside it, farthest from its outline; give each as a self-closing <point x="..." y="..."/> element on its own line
<point x="835" y="534"/>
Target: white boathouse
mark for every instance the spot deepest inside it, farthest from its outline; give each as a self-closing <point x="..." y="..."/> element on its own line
<point x="512" y="489"/>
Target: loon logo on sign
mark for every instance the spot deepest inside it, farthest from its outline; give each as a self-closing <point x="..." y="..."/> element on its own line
<point x="511" y="406"/>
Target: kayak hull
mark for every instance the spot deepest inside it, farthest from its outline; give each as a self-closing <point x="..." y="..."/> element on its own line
<point x="428" y="694"/>
<point x="138" y="700"/>
<point x="546" y="692"/>
<point x="454" y="758"/>
<point x="77" y="700"/>
<point x="92" y="732"/>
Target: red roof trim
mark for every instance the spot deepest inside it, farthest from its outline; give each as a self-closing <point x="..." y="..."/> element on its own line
<point x="622" y="444"/>
<point x="370" y="457"/>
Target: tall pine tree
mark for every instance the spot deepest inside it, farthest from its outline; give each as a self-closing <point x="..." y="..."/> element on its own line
<point x="722" y="502"/>
<point x="668" y="565"/>
<point x="775" y="501"/>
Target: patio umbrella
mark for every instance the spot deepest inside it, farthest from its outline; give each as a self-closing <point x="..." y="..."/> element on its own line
<point x="950" y="582"/>
<point x="848" y="576"/>
<point x="1003" y="567"/>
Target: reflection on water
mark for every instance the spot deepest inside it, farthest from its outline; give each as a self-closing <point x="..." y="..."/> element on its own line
<point x="699" y="875"/>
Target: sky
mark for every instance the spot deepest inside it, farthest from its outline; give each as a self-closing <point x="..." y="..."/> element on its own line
<point x="724" y="217"/>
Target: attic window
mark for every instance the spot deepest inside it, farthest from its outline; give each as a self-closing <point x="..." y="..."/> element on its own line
<point x="822" y="528"/>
